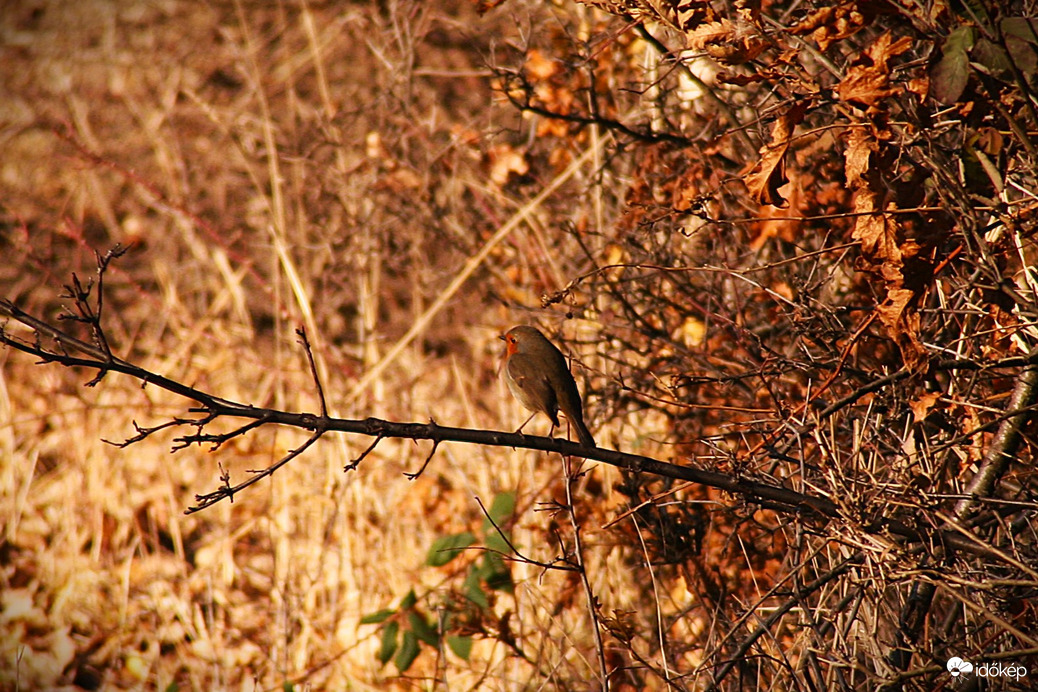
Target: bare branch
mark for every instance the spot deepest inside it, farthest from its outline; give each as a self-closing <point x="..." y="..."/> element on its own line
<point x="228" y="492"/>
<point x="765" y="494"/>
<point x="428" y="458"/>
<point x="301" y="332"/>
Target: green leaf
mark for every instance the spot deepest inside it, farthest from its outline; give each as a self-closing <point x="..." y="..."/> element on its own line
<point x="474" y="588"/>
<point x="496" y="542"/>
<point x="408" y="601"/>
<point x="990" y="55"/>
<point x="446" y="548"/>
<point x="423" y="630"/>
<point x="461" y="646"/>
<point x="377" y="617"/>
<point x="408" y="652"/>
<point x="388" y="645"/>
<point x="172" y="687"/>
<point x="501" y="510"/>
<point x="496" y="573"/>
<point x="1025" y="56"/>
<point x="959" y="41"/>
<point x="949" y="76"/>
<point x="1023" y="28"/>
<point x="287" y="686"/>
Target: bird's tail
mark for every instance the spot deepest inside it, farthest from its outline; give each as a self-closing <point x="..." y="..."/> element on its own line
<point x="584" y="434"/>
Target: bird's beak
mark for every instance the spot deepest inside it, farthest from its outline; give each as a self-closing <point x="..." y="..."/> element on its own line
<point x="501" y="336"/>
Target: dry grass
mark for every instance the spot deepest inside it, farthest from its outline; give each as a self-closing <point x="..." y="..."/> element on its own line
<point x="316" y="164"/>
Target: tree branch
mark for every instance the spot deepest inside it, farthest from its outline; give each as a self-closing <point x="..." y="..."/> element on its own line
<point x="770" y="496"/>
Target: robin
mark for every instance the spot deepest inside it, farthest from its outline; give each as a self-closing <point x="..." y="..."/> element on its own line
<point x="537" y="375"/>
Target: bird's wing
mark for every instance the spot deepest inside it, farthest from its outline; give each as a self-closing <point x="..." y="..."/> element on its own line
<point x="532" y="387"/>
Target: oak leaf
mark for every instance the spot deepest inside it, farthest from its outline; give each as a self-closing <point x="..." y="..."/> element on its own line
<point x="769" y="174"/>
<point x="876" y="230"/>
<point x="867" y="82"/>
<point x="830" y="24"/>
<point x="860" y="146"/>
<point x="727" y="42"/>
<point x="901" y="319"/>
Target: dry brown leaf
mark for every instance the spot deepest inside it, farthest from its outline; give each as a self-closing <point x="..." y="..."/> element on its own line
<point x="504" y="162"/>
<point x="876" y="231"/>
<point x="867" y="82"/>
<point x="893" y="310"/>
<point x="919" y="86"/>
<point x="748" y="10"/>
<point x="923" y="404"/>
<point x="681" y="14"/>
<point x="713" y="32"/>
<point x="883" y="245"/>
<point x="769" y="174"/>
<point x="539" y="66"/>
<point x="780" y="224"/>
<point x="901" y="319"/>
<point x="736" y="52"/>
<point x="830" y="24"/>
<point x="726" y="42"/>
<point x="815" y="20"/>
<point x="860" y="146"/>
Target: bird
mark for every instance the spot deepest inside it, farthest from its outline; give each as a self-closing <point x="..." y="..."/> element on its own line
<point x="538" y="377"/>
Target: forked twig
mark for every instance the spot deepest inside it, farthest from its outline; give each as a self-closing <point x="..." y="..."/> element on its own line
<point x="228" y="492"/>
